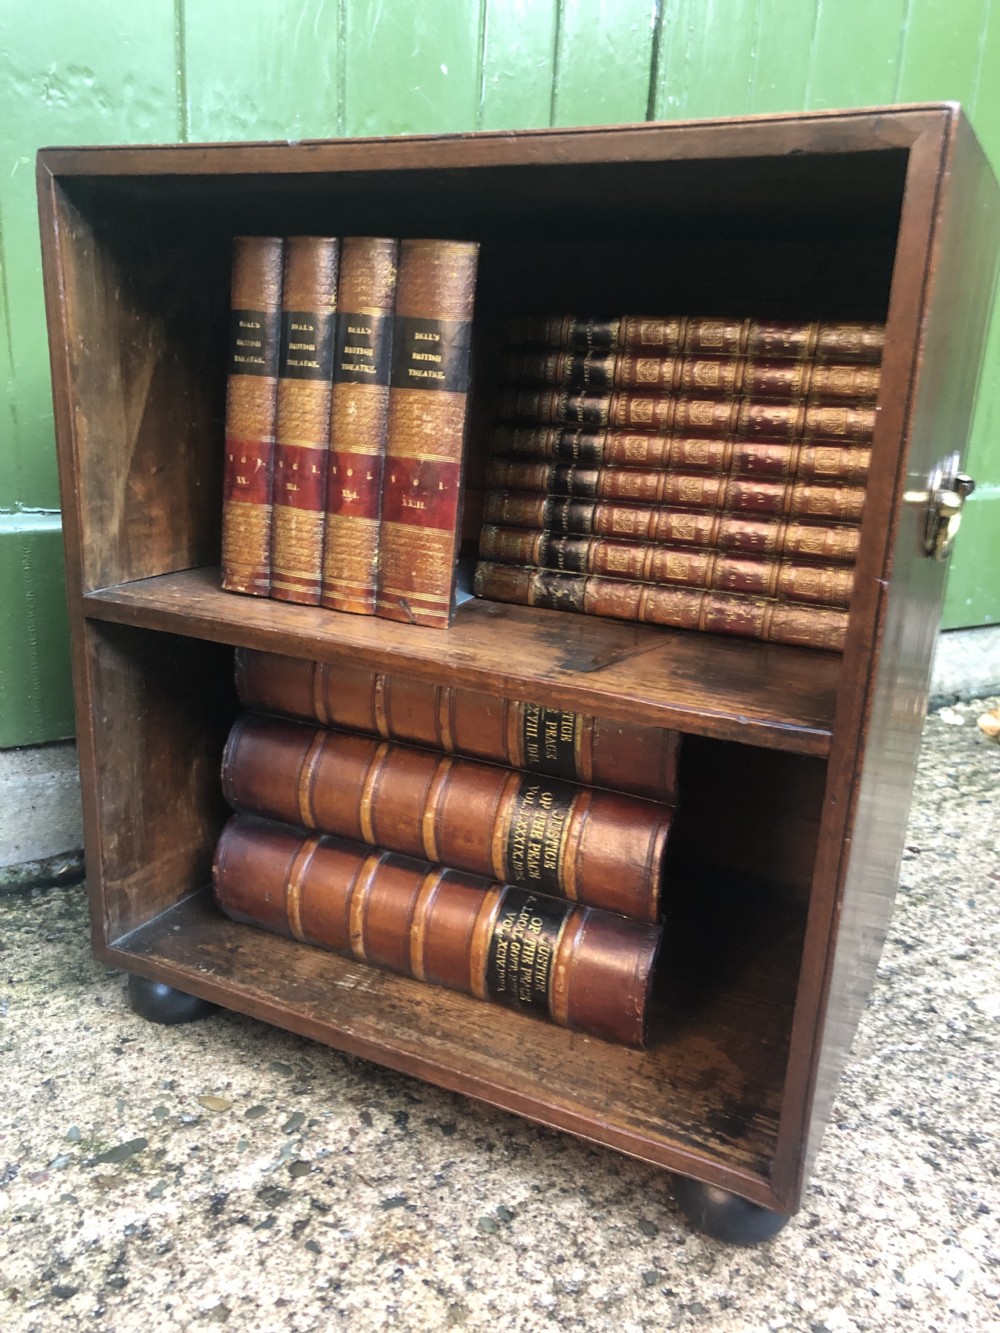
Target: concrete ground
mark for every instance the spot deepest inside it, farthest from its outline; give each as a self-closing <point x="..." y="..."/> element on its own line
<point x="229" y="1173"/>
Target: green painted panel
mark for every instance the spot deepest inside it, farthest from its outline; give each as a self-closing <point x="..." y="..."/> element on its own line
<point x="783" y="43"/>
<point x="706" y="59"/>
<point x="36" y="698"/>
<point x="411" y="68"/>
<point x="984" y="107"/>
<point x="519" y="56"/>
<point x="973" y="596"/>
<point x="261" y="71"/>
<point x="940" y="55"/>
<point x="603" y="62"/>
<point x="855" y="53"/>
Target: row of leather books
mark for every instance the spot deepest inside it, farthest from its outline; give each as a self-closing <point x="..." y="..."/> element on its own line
<point x="507" y="850"/>
<point x="700" y="473"/>
<point x="345" y="417"/>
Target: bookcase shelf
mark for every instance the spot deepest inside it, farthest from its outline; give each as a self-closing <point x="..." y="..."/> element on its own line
<point x="796" y="765"/>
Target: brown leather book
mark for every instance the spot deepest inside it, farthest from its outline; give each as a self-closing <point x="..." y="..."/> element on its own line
<point x="581" y="843"/>
<point x="580" y="968"/>
<point x="731" y="533"/>
<point x="251" y="401"/>
<point x="618" y="755"/>
<point x="683" y="608"/>
<point x="428" y="398"/>
<point x="787" y="580"/>
<point x="652" y="522"/>
<point x="633" y="410"/>
<point x="308" y="306"/>
<point x="358" y="419"/>
<point x="657" y="486"/>
<point x="723" y="376"/>
<point x="635" y="449"/>
<point x="673" y="334"/>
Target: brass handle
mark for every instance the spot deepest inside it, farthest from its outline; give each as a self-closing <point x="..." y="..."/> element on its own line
<point x="946" y="493"/>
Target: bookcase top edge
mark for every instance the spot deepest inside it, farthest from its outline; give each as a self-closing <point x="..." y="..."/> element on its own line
<point x="892" y="127"/>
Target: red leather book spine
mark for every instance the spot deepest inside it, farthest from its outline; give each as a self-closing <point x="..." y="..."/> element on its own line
<point x="308" y="307"/>
<point x="575" y="746"/>
<point x="358" y="421"/>
<point x="683" y="608"/>
<point x="578" y="967"/>
<point x="251" y="402"/>
<point x="670" y="335"/>
<point x="719" y="376"/>
<point x="428" y="399"/>
<point x="556" y="837"/>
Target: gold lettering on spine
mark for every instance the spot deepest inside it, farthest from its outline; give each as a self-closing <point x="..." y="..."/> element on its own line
<point x="433" y="805"/>
<point x="359" y="893"/>
<point x="369" y="792"/>
<point x="422" y="910"/>
<point x="293" y="887"/>
<point x="307" y="778"/>
<point x="481" y="935"/>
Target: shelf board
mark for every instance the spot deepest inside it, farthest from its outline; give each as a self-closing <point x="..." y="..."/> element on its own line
<point x="762" y="694"/>
<point x="705" y="1097"/>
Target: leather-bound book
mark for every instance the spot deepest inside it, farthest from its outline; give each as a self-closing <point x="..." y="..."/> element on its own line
<point x="428" y="399"/>
<point x="659" y="486"/>
<point x="710" y="336"/>
<point x="636" y="449"/>
<point x="251" y="402"/>
<point x="749" y="418"/>
<point x="787" y="580"/>
<point x="308" y="306"/>
<point x="358" y="419"/>
<point x="650" y="522"/>
<point x="731" y="533"/>
<point x="723" y="376"/>
<point x="582" y="843"/>
<point x="683" y="608"/>
<point x="531" y="736"/>
<point x="576" y="966"/>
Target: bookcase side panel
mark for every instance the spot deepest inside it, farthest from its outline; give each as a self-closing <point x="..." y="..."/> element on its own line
<point x="152" y="797"/>
<point x="961" y="279"/>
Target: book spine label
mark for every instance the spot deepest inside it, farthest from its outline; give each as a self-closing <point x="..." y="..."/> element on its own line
<point x="303" y="417"/>
<point x="359" y="422"/>
<point x="682" y="608"/>
<point x="251" y="403"/>
<point x="582" y="843"/>
<point x="576" y="747"/>
<point x="575" y="966"/>
<point x="830" y="341"/>
<point x="426" y="432"/>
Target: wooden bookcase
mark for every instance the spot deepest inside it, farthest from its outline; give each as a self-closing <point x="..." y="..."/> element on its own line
<point x="798" y="764"/>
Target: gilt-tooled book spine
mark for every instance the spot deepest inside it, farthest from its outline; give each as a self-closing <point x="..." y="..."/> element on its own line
<point x="673" y="335"/>
<point x="792" y="581"/>
<point x="584" y="515"/>
<point x="636" y="449"/>
<point x="582" y="843"/>
<point x="428" y="400"/>
<point x="651" y="486"/>
<point x="747" y="418"/>
<point x="251" y="403"/>
<point x="308" y="306"/>
<point x="578" y="967"/>
<point x="358" y="421"/>
<point x="682" y="608"/>
<point x="717" y="376"/>
<point x="552" y="741"/>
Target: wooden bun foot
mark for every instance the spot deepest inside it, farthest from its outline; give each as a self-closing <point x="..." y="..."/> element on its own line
<point x="160" y="1003"/>
<point x="724" y="1216"/>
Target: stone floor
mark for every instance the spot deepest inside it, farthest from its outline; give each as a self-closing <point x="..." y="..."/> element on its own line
<point x="229" y="1173"/>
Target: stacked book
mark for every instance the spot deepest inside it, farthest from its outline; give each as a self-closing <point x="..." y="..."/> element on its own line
<point x="507" y="850"/>
<point x="345" y="418"/>
<point x="701" y="473"/>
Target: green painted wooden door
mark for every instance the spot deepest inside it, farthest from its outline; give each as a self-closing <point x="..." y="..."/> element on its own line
<point x="252" y="69"/>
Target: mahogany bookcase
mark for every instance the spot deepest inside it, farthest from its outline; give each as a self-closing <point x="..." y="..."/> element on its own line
<point x="797" y="764"/>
